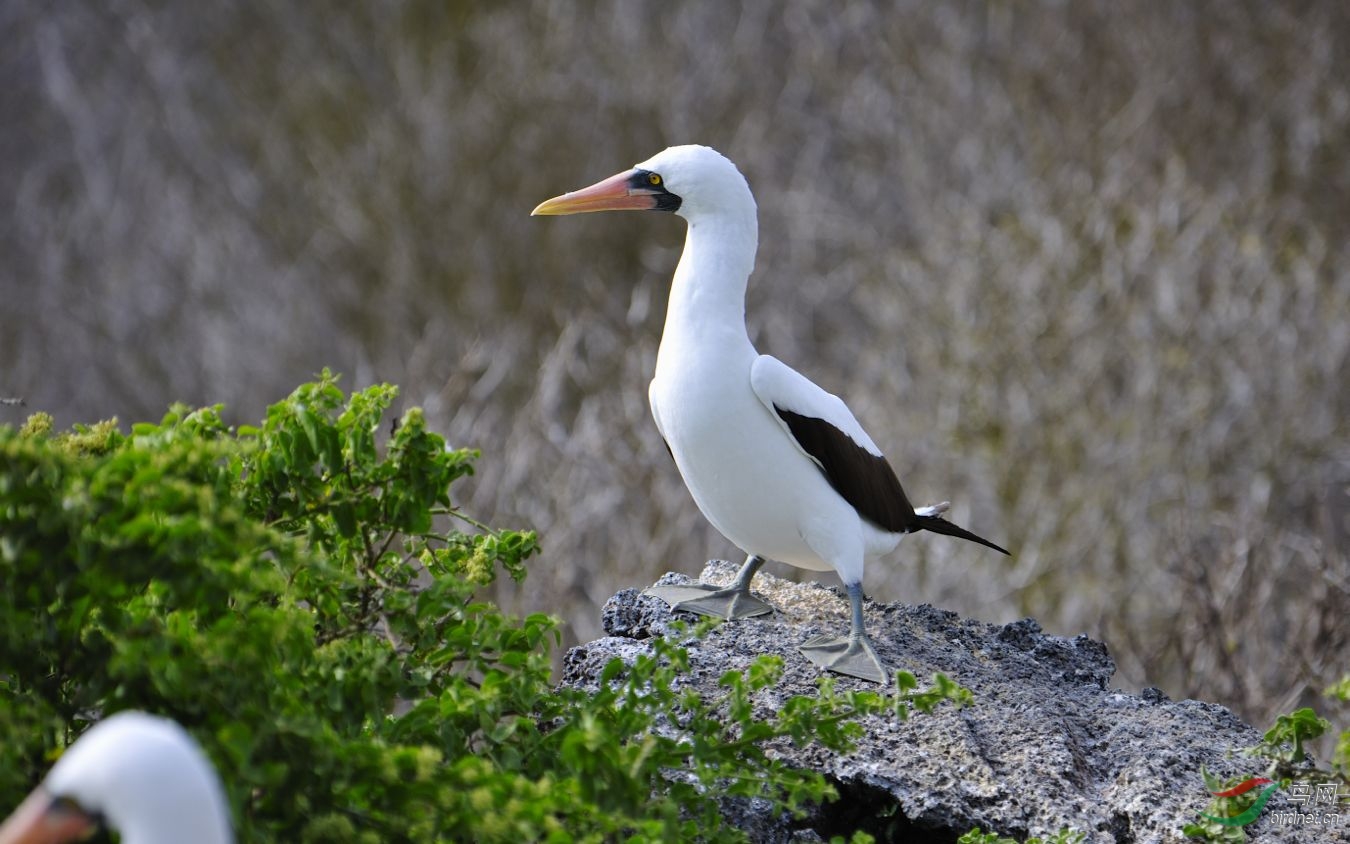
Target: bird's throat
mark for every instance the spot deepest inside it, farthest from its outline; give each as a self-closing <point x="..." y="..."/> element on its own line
<point x="707" y="295"/>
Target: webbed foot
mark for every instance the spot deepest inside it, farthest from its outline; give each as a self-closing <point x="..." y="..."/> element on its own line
<point x="850" y="655"/>
<point x="704" y="599"/>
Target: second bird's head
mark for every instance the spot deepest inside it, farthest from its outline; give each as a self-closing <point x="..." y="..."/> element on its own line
<point x="688" y="180"/>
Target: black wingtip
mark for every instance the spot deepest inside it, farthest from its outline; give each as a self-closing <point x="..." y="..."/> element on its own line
<point x="937" y="524"/>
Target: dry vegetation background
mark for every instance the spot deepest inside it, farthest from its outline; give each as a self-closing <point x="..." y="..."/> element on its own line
<point x="1082" y="268"/>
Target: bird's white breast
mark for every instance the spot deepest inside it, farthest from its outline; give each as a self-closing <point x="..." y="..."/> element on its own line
<point x="746" y="476"/>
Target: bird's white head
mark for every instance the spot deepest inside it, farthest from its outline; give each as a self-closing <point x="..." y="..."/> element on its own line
<point x="692" y="181"/>
<point x="141" y="775"/>
<point x="705" y="180"/>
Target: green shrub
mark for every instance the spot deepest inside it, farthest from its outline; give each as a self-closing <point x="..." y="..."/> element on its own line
<point x="284" y="590"/>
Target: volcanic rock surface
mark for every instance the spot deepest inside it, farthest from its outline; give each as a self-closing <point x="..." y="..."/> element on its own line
<point x="1047" y="745"/>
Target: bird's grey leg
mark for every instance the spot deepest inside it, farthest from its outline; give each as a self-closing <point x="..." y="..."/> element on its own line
<point x="753" y="563"/>
<point x="734" y="601"/>
<point x="853" y="655"/>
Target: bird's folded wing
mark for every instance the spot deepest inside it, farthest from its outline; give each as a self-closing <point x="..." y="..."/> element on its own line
<point x="782" y="388"/>
<point x="826" y="431"/>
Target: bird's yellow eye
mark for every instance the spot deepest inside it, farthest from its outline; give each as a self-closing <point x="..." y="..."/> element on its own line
<point x="654" y="179"/>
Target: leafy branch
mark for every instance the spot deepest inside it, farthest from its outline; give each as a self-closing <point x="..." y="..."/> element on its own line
<point x="302" y="595"/>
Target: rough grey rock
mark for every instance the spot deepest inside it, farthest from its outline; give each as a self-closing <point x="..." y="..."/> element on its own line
<point x="1047" y="745"/>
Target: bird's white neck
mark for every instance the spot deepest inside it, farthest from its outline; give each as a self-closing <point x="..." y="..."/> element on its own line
<point x="707" y="296"/>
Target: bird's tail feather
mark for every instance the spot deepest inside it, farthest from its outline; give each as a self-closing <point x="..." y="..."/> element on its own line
<point x="937" y="524"/>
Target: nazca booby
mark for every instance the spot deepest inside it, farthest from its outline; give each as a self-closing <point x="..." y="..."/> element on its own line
<point x="778" y="465"/>
<point x="140" y="774"/>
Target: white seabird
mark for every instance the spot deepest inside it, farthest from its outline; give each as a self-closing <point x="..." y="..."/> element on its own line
<point x="778" y="465"/>
<point x="140" y="774"/>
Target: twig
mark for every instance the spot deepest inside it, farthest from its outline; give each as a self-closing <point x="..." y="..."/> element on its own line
<point x="457" y="513"/>
<point x="13" y="402"/>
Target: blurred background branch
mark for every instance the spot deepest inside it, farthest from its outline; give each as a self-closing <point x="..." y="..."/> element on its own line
<point x="1082" y="268"/>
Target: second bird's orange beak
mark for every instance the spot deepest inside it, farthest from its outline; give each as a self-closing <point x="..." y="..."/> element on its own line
<point x="620" y="192"/>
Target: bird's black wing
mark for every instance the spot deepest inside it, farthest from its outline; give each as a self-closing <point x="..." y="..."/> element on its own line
<point x="865" y="480"/>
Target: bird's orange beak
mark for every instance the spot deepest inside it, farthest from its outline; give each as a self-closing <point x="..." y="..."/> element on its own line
<point x="620" y="192"/>
<point x="39" y="821"/>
